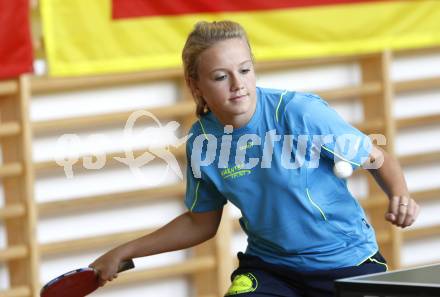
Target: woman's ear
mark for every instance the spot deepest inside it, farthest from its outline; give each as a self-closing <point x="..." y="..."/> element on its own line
<point x="192" y="83"/>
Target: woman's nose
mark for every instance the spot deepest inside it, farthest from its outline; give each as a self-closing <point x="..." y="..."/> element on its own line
<point x="236" y="83"/>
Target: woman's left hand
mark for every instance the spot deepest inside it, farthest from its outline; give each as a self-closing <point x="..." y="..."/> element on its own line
<point x="402" y="211"/>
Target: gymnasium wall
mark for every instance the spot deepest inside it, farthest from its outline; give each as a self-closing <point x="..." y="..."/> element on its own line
<point x="54" y="185"/>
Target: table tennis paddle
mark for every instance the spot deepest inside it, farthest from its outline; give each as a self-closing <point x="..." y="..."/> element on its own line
<point x="77" y="283"/>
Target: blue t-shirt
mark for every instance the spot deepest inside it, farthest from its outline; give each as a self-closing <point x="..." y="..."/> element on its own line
<point x="278" y="171"/>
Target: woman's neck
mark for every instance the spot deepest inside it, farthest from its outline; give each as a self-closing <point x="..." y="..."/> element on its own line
<point x="240" y="120"/>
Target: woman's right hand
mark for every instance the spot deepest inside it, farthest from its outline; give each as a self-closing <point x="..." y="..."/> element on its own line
<point x="107" y="266"/>
<point x="187" y="230"/>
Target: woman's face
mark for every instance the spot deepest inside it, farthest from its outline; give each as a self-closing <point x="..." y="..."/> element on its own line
<point x="227" y="81"/>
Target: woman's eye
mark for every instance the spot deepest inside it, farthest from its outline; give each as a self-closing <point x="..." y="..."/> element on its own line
<point x="244" y="71"/>
<point x="220" y="77"/>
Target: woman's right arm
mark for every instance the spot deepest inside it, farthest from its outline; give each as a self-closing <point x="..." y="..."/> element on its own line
<point x="187" y="230"/>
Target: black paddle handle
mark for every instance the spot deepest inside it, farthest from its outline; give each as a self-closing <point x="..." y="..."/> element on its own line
<point x="126" y="265"/>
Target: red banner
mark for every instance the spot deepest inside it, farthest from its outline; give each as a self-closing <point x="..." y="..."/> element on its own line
<point x="142" y="8"/>
<point x="15" y="38"/>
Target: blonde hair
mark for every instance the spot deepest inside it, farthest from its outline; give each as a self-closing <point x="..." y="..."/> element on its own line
<point x="203" y="36"/>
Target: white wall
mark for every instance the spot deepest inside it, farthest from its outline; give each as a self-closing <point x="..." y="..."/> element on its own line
<point x="134" y="216"/>
<point x="416" y="140"/>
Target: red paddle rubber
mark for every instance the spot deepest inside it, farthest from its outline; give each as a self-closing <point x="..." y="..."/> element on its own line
<point x="77" y="283"/>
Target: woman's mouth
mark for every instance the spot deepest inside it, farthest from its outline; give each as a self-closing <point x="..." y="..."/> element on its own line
<point x="238" y="97"/>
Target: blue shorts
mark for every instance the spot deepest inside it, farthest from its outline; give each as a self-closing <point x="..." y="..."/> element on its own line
<point x="256" y="278"/>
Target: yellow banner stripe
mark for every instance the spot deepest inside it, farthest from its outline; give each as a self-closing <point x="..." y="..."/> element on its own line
<point x="82" y="38"/>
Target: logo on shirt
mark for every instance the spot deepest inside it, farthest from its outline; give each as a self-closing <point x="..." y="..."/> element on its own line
<point x="234" y="172"/>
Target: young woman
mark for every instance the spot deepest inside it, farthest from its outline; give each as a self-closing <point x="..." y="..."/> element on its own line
<point x="271" y="154"/>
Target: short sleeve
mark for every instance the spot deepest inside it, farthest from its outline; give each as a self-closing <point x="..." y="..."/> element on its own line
<point x="201" y="193"/>
<point x="338" y="140"/>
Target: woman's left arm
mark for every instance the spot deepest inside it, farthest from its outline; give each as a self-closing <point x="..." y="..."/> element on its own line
<point x="402" y="209"/>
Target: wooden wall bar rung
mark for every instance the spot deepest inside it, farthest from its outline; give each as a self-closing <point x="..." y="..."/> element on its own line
<point x="422" y="232"/>
<point x="374" y="203"/>
<point x="426" y="195"/>
<point x="21" y="291"/>
<point x="12" y="211"/>
<point x="187" y="267"/>
<point x="413" y="159"/>
<point x="94" y="242"/>
<point x="59" y="207"/>
<point x="177" y="110"/>
<point x="9" y="129"/>
<point x="418" y="121"/>
<point x="49" y="85"/>
<point x="8" y="87"/>
<point x="370" y="126"/>
<point x="416" y="159"/>
<point x="281" y="65"/>
<point x="10" y="170"/>
<point x="417" y="84"/>
<point x="13" y="252"/>
<point x="414" y="52"/>
<point x="178" y="152"/>
<point x="370" y="88"/>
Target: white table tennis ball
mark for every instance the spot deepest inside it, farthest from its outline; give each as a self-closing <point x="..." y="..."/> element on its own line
<point x="342" y="169"/>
